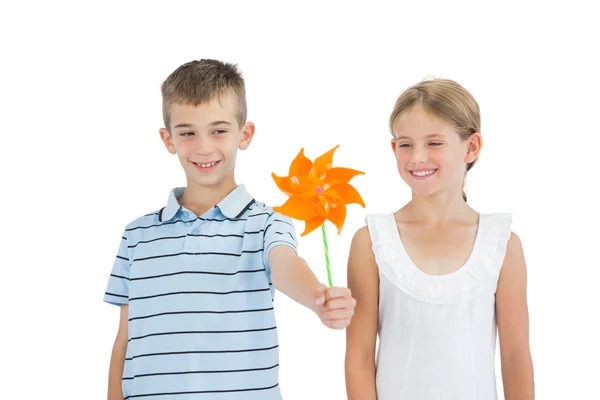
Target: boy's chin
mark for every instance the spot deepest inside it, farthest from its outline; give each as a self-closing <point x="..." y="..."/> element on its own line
<point x="207" y="183"/>
<point x="210" y="181"/>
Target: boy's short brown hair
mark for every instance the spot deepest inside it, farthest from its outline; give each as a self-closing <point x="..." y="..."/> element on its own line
<point x="203" y="80"/>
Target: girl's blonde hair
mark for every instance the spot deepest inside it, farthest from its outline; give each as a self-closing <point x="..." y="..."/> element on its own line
<point x="446" y="100"/>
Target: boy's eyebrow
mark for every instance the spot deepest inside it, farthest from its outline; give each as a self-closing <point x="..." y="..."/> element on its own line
<point x="215" y="123"/>
<point x="184" y="126"/>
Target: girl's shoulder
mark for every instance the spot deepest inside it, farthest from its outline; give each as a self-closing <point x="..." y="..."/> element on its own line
<point x="380" y="227"/>
<point x="496" y="224"/>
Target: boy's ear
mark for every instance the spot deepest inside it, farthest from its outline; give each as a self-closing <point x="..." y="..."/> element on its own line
<point x="246" y="135"/>
<point x="167" y="140"/>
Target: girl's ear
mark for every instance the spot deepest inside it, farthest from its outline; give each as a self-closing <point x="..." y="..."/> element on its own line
<point x="473" y="147"/>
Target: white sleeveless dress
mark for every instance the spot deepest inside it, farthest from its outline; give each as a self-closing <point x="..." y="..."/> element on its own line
<point x="437" y="334"/>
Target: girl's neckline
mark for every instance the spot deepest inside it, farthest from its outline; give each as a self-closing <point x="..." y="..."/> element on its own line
<point x="458" y="271"/>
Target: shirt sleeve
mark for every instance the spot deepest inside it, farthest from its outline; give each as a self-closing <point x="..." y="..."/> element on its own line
<point x="279" y="231"/>
<point x="117" y="290"/>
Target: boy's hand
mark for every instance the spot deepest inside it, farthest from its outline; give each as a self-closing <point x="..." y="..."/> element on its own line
<point x="335" y="306"/>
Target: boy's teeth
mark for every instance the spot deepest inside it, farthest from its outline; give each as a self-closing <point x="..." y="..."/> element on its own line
<point x="207" y="165"/>
<point x="423" y="173"/>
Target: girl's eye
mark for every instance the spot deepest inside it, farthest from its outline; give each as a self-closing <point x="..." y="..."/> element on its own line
<point x="435" y="144"/>
<point x="404" y="145"/>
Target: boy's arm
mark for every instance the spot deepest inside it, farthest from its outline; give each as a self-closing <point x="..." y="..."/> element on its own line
<point x="361" y="335"/>
<point x="292" y="276"/>
<point x="117" y="293"/>
<point x="117" y="360"/>
<point x="513" y="324"/>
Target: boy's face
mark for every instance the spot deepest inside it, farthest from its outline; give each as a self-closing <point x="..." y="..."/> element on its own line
<point x="206" y="139"/>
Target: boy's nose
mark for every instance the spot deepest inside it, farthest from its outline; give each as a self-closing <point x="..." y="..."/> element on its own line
<point x="204" y="147"/>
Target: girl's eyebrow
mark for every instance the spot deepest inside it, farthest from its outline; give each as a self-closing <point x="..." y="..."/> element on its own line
<point x="433" y="135"/>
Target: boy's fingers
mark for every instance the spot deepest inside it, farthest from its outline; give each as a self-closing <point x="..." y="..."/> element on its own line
<point x="337" y="315"/>
<point x="338" y="324"/>
<point x="338" y="304"/>
<point x="337" y="292"/>
<point x="320" y="294"/>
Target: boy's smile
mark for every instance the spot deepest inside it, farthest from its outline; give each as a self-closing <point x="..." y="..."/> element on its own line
<point x="206" y="166"/>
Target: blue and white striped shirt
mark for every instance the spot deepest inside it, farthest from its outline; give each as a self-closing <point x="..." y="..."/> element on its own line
<point x="201" y="319"/>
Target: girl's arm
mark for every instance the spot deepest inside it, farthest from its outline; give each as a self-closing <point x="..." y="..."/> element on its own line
<point x="117" y="360"/>
<point x="513" y="324"/>
<point x="361" y="335"/>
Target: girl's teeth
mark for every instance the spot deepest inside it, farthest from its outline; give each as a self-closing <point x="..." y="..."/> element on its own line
<point x="207" y="165"/>
<point x="423" y="173"/>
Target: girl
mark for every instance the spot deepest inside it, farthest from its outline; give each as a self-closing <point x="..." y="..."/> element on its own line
<point x="436" y="278"/>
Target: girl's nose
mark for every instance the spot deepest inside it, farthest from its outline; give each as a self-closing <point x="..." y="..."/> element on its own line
<point x="418" y="156"/>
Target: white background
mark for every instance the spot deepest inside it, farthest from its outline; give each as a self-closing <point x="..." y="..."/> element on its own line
<point x="81" y="157"/>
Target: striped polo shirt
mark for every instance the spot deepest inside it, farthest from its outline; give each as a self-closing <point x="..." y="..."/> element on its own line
<point x="201" y="319"/>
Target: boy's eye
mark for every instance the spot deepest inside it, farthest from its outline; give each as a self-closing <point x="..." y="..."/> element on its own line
<point x="220" y="131"/>
<point x="186" y="133"/>
<point x="435" y="143"/>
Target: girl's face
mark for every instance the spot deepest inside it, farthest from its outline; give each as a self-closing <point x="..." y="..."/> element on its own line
<point x="430" y="154"/>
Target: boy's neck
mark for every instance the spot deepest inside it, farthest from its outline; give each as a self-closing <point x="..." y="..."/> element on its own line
<point x="200" y="199"/>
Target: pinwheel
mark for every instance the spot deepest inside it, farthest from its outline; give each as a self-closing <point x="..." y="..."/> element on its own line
<point x="318" y="192"/>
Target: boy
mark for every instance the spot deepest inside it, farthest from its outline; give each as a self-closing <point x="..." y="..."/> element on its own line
<point x="195" y="280"/>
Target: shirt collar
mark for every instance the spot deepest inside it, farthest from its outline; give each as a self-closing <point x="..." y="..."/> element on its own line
<point x="236" y="202"/>
<point x="172" y="206"/>
<point x="232" y="206"/>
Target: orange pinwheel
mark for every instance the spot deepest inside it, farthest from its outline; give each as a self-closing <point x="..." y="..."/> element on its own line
<point x="317" y="191"/>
